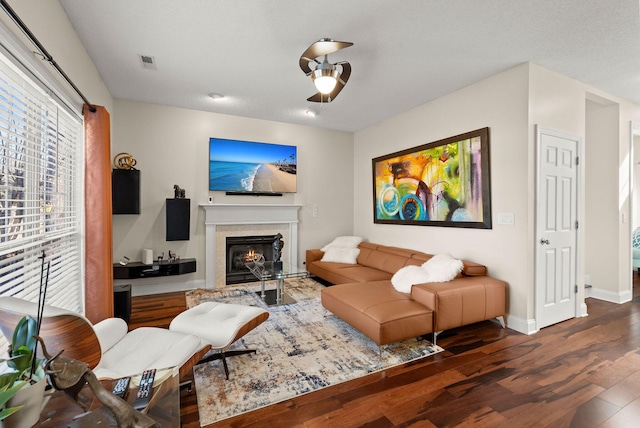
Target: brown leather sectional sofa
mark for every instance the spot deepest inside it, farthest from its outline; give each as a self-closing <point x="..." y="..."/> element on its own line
<point x="364" y="297"/>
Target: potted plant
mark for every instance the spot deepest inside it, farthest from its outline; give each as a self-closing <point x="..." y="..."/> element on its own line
<point x="9" y="385"/>
<point x="28" y="375"/>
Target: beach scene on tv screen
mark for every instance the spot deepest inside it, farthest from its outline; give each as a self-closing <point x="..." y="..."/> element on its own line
<point x="246" y="166"/>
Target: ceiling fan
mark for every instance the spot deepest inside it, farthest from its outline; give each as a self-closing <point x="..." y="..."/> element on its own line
<point x="327" y="77"/>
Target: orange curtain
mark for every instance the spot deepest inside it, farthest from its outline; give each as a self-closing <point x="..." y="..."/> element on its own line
<point x="98" y="226"/>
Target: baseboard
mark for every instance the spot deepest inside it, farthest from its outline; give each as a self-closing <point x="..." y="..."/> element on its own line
<point x="611" y="296"/>
<point x="583" y="310"/>
<point x="521" y="325"/>
<point x="147" y="289"/>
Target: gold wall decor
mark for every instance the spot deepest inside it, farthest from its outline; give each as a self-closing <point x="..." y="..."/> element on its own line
<point x="124" y="160"/>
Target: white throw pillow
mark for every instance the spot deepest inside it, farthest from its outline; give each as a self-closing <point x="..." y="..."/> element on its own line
<point x="407" y="276"/>
<point x="341" y="255"/>
<point x="343" y="242"/>
<point x="442" y="268"/>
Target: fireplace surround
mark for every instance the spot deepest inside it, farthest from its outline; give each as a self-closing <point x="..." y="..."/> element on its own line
<point x="222" y="220"/>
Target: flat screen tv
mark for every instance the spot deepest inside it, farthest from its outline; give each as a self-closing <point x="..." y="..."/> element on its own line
<point x="250" y="167"/>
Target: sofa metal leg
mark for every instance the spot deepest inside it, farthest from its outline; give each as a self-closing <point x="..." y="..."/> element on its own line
<point x="435" y="336"/>
<point x="501" y="321"/>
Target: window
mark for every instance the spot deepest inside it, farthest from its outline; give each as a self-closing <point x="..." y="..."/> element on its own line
<point x="41" y="204"/>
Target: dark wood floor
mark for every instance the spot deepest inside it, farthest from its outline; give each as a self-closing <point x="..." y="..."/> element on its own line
<point x="580" y="373"/>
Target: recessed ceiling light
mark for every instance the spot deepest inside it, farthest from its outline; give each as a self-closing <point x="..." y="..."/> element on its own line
<point x="215" y="95"/>
<point x="311" y="113"/>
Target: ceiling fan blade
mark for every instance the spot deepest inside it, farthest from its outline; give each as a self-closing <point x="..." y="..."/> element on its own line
<point x="346" y="72"/>
<point x="324" y="47"/>
<point x="304" y="64"/>
<point x="342" y="80"/>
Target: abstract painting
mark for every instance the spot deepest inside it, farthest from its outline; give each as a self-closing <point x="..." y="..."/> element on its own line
<point x="444" y="183"/>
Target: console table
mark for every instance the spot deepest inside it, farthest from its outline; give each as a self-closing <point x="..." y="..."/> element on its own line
<point x="134" y="270"/>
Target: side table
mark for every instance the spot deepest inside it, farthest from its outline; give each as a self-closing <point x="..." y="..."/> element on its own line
<point x="277" y="271"/>
<point x="164" y="406"/>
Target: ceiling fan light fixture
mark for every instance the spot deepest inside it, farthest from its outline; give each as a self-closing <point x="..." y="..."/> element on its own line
<point x="328" y="78"/>
<point x="325" y="77"/>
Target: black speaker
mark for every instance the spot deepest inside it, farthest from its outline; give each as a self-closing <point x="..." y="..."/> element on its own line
<point x="125" y="191"/>
<point x="178" y="213"/>
<point x="122" y="301"/>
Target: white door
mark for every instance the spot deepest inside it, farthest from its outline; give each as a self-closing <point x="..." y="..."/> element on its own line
<point x="556" y="227"/>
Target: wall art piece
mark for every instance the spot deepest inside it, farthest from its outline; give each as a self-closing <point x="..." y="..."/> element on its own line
<point x="444" y="183"/>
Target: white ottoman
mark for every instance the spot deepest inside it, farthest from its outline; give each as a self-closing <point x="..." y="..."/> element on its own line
<point x="220" y="324"/>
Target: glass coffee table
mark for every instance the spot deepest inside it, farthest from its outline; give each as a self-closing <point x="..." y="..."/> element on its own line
<point x="278" y="271"/>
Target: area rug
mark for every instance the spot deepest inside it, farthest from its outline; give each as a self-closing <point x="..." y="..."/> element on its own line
<point x="301" y="348"/>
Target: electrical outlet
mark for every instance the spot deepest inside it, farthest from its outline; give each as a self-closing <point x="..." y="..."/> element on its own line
<point x="315" y="210"/>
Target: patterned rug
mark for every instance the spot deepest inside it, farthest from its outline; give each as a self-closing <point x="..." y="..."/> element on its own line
<point x="301" y="348"/>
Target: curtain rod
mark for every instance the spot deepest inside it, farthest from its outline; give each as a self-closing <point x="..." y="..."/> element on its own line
<point x="47" y="57"/>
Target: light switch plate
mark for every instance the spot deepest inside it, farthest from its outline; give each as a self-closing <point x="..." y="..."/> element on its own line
<point x="508" y="219"/>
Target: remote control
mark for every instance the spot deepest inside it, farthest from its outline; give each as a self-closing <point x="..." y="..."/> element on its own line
<point x="144" y="390"/>
<point x="121" y="387"/>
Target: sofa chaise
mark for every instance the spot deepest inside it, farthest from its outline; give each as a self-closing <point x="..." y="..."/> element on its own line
<point x="363" y="295"/>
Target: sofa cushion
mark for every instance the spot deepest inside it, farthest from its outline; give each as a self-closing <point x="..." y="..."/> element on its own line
<point x="340" y="273"/>
<point x="407" y="276"/>
<point x="465" y="300"/>
<point x="341" y="255"/>
<point x="442" y="268"/>
<point x="473" y="269"/>
<point x="378" y="311"/>
<point x="387" y="259"/>
<point x="343" y="242"/>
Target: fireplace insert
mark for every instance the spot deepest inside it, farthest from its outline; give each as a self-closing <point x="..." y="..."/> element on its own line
<point x="243" y="249"/>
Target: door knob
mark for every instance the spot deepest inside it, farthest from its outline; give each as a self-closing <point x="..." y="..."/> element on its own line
<point x="544" y="241"/>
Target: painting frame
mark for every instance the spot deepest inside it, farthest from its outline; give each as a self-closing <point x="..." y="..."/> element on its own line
<point x="444" y="183"/>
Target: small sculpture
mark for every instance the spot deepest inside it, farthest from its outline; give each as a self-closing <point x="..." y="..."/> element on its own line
<point x="70" y="376"/>
<point x="178" y="192"/>
<point x="278" y="244"/>
<point x="124" y="161"/>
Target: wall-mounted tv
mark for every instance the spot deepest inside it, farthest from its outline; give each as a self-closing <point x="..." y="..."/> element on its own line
<point x="250" y="167"/>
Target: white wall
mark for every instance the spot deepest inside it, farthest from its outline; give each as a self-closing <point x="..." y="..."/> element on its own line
<point x="511" y="104"/>
<point x="171" y="147"/>
<point x="48" y="21"/>
<point x="501" y="103"/>
<point x="635" y="211"/>
<point x="601" y="196"/>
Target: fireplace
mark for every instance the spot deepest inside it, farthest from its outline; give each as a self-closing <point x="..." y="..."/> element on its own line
<point x="224" y="220"/>
<point x="242" y="249"/>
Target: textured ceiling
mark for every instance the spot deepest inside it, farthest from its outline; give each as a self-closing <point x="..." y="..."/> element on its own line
<point x="405" y="53"/>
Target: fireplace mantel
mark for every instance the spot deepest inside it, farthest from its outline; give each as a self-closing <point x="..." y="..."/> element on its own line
<point x="247" y="214"/>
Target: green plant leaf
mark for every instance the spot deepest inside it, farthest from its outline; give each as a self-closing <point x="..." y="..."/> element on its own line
<point x="5" y="413"/>
<point x="7" y="379"/>
<point x="24" y="334"/>
<point x="10" y="392"/>
<point x="23" y="349"/>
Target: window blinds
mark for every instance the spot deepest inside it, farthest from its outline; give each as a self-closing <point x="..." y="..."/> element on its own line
<point x="41" y="202"/>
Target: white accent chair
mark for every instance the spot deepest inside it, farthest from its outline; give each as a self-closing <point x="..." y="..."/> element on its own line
<point x="109" y="349"/>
